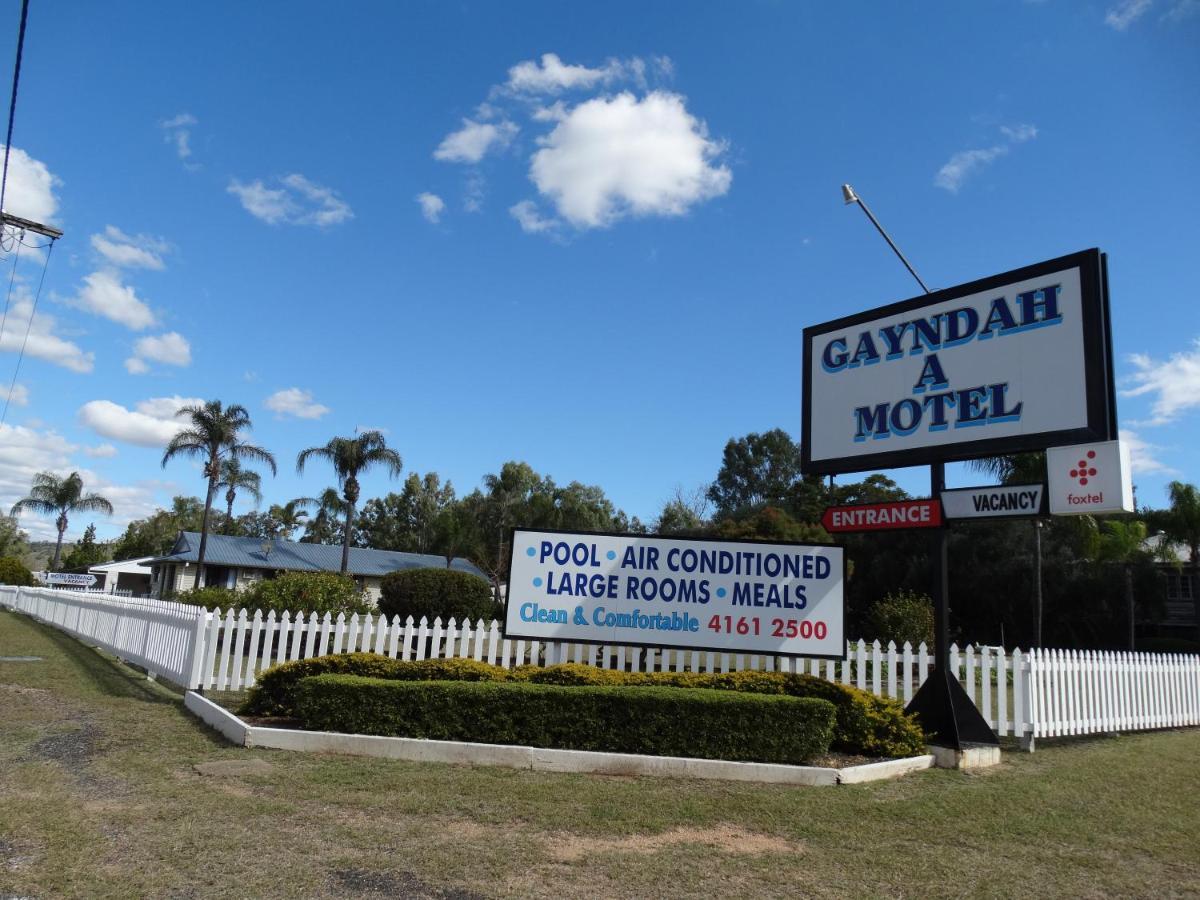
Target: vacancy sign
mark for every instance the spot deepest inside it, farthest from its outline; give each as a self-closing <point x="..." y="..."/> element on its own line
<point x="882" y="516"/>
<point x="1089" y="479"/>
<point x="69" y="579"/>
<point x="999" y="501"/>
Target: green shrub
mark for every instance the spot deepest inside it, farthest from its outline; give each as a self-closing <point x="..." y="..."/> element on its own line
<point x="210" y="598"/>
<point x="274" y="692"/>
<point x="308" y="592"/>
<point x="900" y="617"/>
<point x="660" y="721"/>
<point x="13" y="571"/>
<point x="437" y="593"/>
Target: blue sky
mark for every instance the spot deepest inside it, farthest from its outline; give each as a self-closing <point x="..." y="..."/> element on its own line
<point x="587" y="237"/>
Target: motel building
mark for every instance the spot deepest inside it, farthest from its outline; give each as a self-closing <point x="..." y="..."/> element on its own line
<point x="238" y="562"/>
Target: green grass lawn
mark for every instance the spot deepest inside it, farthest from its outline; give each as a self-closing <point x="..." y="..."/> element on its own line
<point x="100" y="797"/>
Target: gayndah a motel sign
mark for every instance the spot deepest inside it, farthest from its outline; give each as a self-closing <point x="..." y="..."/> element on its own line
<point x="1016" y="362"/>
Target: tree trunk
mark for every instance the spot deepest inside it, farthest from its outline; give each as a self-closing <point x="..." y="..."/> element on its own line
<point x="1129" y="604"/>
<point x="208" y="502"/>
<point x="230" y="496"/>
<point x="62" y="528"/>
<point x="346" y="538"/>
<point x="1196" y="588"/>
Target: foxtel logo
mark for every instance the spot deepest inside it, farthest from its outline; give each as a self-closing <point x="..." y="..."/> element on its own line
<point x="1085" y="499"/>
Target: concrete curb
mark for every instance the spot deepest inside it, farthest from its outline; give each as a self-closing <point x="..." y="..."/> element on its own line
<point x="540" y="759"/>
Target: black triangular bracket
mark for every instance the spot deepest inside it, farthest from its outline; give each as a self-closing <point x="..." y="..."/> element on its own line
<point x="947" y="714"/>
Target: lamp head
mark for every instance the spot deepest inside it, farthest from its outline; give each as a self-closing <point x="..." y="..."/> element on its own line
<point x="848" y="194"/>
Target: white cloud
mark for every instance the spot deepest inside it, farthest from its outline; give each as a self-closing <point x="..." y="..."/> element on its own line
<point x="1174" y="383"/>
<point x="30" y="191"/>
<point x="178" y="131"/>
<point x="104" y="295"/>
<point x="171" y="349"/>
<point x="43" y="343"/>
<point x="135" y="366"/>
<point x="432" y="206"/>
<point x="553" y="76"/>
<point x="297" y="202"/>
<point x="1125" y="13"/>
<point x="151" y="423"/>
<point x="1181" y="10"/>
<point x="18" y="396"/>
<point x="25" y="451"/>
<point x="963" y="164"/>
<point x="296" y="403"/>
<point x="531" y="221"/>
<point x="473" y="141"/>
<point x="618" y="156"/>
<point x="101" y="451"/>
<point x="130" y="251"/>
<point x="1142" y="455"/>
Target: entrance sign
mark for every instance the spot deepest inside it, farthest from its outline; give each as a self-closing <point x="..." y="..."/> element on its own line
<point x="1090" y="479"/>
<point x="69" y="579"/>
<point x="1011" y="363"/>
<point x="882" y="516"/>
<point x="998" y="501"/>
<point x="725" y="596"/>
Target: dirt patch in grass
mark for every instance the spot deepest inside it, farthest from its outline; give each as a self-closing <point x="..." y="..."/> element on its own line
<point x="20" y="689"/>
<point x="397" y="886"/>
<point x="234" y="768"/>
<point x="16" y="856"/>
<point x="72" y="749"/>
<point x="722" y="838"/>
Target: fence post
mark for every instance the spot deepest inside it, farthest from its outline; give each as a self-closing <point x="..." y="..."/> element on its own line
<point x="196" y="653"/>
<point x="1024" y="700"/>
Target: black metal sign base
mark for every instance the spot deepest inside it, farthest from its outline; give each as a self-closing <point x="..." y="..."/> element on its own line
<point x="947" y="714"/>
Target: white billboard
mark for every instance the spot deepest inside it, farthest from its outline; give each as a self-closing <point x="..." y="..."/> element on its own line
<point x="1019" y="361"/>
<point x="727" y="596"/>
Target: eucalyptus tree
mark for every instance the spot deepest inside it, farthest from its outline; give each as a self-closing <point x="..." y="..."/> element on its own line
<point x="350" y="456"/>
<point x="52" y="495"/>
<point x="236" y="477"/>
<point x="213" y="435"/>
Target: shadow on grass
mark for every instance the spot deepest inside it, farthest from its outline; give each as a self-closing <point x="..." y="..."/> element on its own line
<point x="112" y="678"/>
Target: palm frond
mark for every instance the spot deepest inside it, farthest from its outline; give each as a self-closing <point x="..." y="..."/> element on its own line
<point x="34" y="505"/>
<point x="94" y="502"/>
<point x="239" y="450"/>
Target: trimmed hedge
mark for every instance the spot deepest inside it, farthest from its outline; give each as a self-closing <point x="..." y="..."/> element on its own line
<point x="434" y="593"/>
<point x="274" y="694"/>
<point x="660" y="721"/>
<point x="15" y="572"/>
<point x="866" y="724"/>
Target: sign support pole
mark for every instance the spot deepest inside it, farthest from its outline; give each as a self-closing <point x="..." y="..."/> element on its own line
<point x="942" y="706"/>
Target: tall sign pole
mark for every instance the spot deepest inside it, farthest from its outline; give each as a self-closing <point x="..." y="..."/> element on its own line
<point x="942" y="706"/>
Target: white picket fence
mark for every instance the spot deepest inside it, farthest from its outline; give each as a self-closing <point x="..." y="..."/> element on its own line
<point x="1035" y="694"/>
<point x="162" y="638"/>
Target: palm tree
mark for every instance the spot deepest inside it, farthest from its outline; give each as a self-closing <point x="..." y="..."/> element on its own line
<point x="1123" y="544"/>
<point x="290" y="516"/>
<point x="329" y="506"/>
<point x="1181" y="525"/>
<point x="234" y="478"/>
<point x="349" y="457"/>
<point x="52" y="495"/>
<point x="213" y="436"/>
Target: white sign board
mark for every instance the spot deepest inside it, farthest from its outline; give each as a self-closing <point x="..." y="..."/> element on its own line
<point x="727" y="596"/>
<point x="69" y="579"/>
<point x="998" y="501"/>
<point x="1089" y="479"/>
<point x="1019" y="361"/>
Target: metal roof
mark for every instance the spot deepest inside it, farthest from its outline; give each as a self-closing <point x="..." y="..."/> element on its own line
<point x="289" y="556"/>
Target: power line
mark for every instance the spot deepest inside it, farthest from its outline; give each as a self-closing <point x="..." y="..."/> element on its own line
<point x="11" y="280"/>
<point x="20" y="356"/>
<point x="12" y="106"/>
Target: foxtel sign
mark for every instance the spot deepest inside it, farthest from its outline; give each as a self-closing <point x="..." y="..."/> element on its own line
<point x="1019" y="361"/>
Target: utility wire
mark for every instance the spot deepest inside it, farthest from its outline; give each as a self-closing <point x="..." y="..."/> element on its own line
<point x="12" y="278"/>
<point x="12" y="106"/>
<point x="33" y="312"/>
